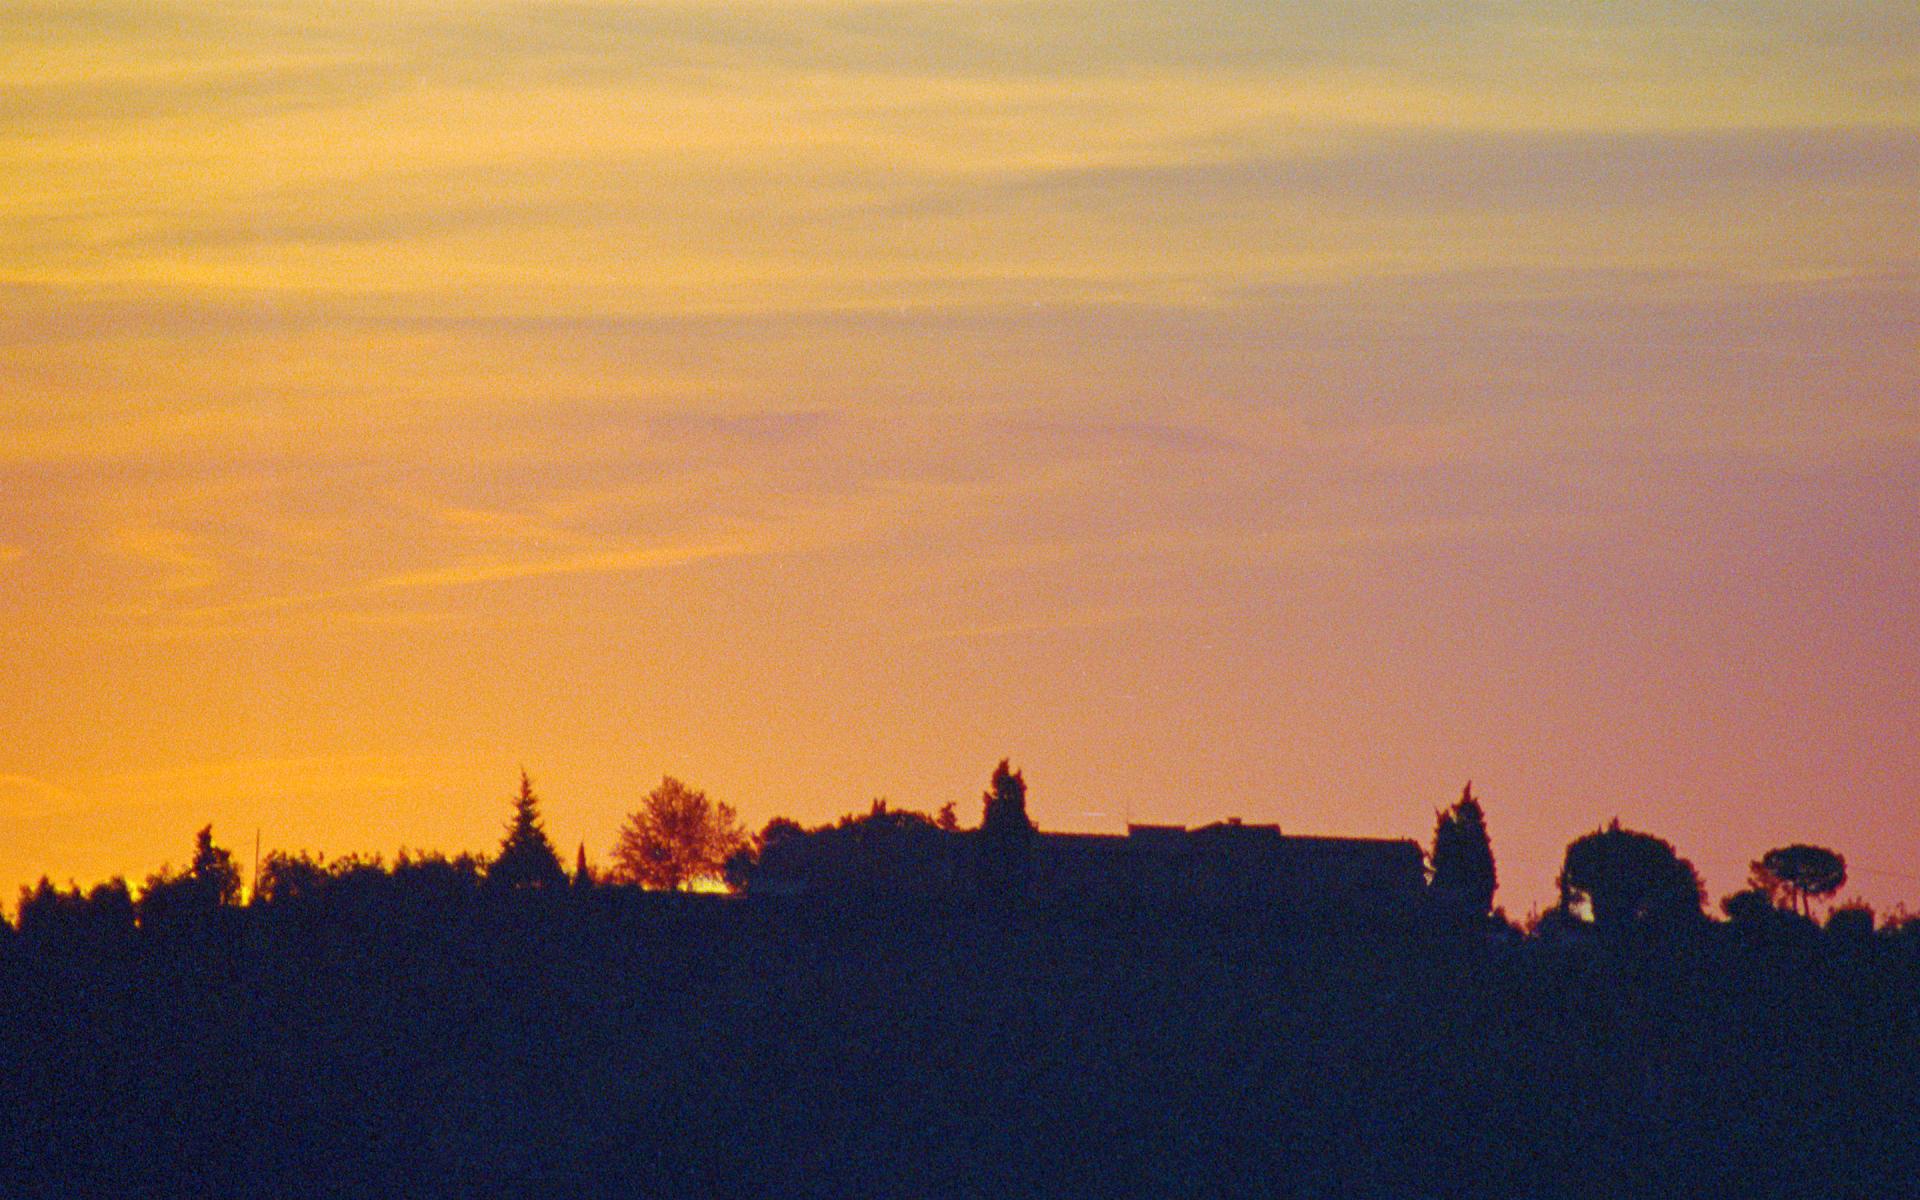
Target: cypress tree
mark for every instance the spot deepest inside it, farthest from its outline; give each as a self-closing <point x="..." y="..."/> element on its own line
<point x="1005" y="845"/>
<point x="1463" y="873"/>
<point x="1004" y="805"/>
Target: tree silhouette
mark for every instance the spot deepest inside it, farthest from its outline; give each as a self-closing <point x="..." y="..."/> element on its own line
<point x="1624" y="877"/>
<point x="776" y="831"/>
<point x="778" y="847"/>
<point x="871" y="1023"/>
<point x="1851" y="922"/>
<point x="884" y="852"/>
<point x="1800" y="872"/>
<point x="287" y="877"/>
<point x="1754" y="918"/>
<point x="47" y="912"/>
<point x="1004" y="804"/>
<point x="677" y="837"/>
<point x="214" y="870"/>
<point x="1005" y="860"/>
<point x="1749" y="908"/>
<point x="211" y="881"/>
<point x="430" y="877"/>
<point x="527" y="857"/>
<point x="1463" y="873"/>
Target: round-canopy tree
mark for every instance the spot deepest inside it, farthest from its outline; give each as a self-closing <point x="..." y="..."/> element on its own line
<point x="676" y="838"/>
<point x="1800" y="872"/>
<point x="1624" y="877"/>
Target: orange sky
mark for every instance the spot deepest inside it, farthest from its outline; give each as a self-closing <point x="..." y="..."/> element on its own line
<point x="1218" y="409"/>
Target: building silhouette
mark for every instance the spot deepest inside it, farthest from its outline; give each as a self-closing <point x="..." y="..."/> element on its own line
<point x="1225" y="864"/>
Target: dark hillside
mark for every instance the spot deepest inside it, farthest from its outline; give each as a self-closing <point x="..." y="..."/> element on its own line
<point x="618" y="1043"/>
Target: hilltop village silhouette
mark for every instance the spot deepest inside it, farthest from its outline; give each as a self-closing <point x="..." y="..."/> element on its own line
<point x="891" y="1005"/>
<point x="1227" y="863"/>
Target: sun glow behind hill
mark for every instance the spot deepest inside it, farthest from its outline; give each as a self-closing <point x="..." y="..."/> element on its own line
<point x="1218" y="409"/>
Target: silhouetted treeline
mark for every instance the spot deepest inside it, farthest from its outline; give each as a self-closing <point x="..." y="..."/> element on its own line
<point x="898" y="1007"/>
<point x="410" y="1031"/>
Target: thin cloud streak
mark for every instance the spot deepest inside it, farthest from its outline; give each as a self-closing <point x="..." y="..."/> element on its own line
<point x="556" y="166"/>
<point x="28" y="798"/>
<point x="172" y="551"/>
<point x="1476" y="169"/>
<point x="1086" y="619"/>
<point x="214" y="617"/>
<point x="609" y="561"/>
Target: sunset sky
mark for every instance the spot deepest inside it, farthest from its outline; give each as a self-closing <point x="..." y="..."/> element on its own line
<point x="1288" y="411"/>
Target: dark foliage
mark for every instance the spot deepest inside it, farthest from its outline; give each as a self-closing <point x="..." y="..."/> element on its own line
<point x="677" y="838"/>
<point x="420" y="1030"/>
<point x="526" y="857"/>
<point x="1798" y="873"/>
<point x="187" y="899"/>
<point x="1623" y="878"/>
<point x="104" y="913"/>
<point x="1463" y="873"/>
<point x="1851" y="922"/>
<point x="1003" y="850"/>
<point x="287" y="877"/>
<point x="412" y="1032"/>
<point x="1004" y="805"/>
<point x="885" y="851"/>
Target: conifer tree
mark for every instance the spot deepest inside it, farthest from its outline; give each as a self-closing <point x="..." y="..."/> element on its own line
<point x="1005" y="852"/>
<point x="527" y="857"/>
<point x="1004" y="804"/>
<point x="1463" y="872"/>
<point x="211" y="881"/>
<point x="214" y="871"/>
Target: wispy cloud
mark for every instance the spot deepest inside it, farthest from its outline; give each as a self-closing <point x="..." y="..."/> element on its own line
<point x="1477" y="169"/>
<point x="1079" y="435"/>
<point x="346" y="605"/>
<point x="28" y="797"/>
<point x="594" y="157"/>
<point x="264" y="776"/>
<point x="1075" y="619"/>
<point x="184" y="566"/>
<point x="614" y="561"/>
